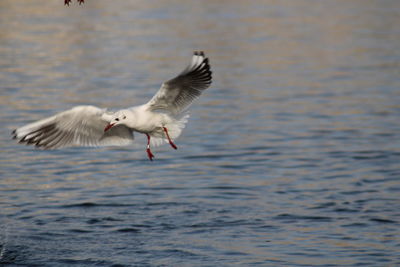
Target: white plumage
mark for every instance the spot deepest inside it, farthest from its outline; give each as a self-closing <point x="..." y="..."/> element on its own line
<point x="161" y="119"/>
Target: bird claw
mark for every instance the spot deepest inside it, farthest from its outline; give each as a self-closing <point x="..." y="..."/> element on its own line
<point x="149" y="154"/>
<point x="173" y="145"/>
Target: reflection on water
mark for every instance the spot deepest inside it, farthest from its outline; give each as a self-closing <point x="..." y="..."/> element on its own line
<point x="290" y="158"/>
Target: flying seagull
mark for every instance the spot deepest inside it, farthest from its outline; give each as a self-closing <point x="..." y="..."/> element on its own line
<point x="161" y="119"/>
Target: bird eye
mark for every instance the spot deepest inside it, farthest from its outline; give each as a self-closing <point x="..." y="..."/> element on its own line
<point x="116" y="119"/>
<point x="124" y="117"/>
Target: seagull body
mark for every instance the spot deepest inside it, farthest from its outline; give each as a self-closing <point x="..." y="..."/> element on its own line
<point x="161" y="119"/>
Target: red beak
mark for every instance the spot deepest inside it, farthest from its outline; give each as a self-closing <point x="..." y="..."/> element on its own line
<point x="109" y="126"/>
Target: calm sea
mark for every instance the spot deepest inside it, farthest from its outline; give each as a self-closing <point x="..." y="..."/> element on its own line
<point x="291" y="158"/>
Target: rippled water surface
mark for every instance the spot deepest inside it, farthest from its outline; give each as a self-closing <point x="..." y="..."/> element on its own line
<point x="291" y="158"/>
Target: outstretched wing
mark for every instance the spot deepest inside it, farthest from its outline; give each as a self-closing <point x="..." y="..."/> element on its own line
<point x="79" y="126"/>
<point x="178" y="93"/>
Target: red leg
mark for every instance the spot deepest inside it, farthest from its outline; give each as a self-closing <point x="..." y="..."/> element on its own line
<point x="169" y="139"/>
<point x="149" y="154"/>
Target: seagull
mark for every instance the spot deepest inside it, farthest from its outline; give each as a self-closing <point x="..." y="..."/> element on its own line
<point x="161" y="119"/>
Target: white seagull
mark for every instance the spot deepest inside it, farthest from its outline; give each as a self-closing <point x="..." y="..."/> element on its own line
<point x="161" y="119"/>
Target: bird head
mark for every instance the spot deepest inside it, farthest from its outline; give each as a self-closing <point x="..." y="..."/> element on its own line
<point x="119" y="118"/>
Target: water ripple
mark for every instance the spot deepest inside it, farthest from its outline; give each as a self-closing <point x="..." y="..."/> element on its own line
<point x="291" y="158"/>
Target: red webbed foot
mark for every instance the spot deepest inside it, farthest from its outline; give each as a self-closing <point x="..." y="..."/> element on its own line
<point x="149" y="154"/>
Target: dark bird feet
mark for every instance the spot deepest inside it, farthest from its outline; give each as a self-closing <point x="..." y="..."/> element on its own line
<point x="67" y="2"/>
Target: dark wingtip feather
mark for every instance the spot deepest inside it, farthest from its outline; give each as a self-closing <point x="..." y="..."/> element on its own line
<point x="205" y="61"/>
<point x="206" y="67"/>
<point x="201" y="74"/>
<point x="35" y="137"/>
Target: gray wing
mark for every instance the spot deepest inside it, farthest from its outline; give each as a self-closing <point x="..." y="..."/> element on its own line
<point x="79" y="126"/>
<point x="178" y="93"/>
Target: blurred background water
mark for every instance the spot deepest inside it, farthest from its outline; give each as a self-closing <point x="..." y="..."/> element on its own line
<point x="291" y="158"/>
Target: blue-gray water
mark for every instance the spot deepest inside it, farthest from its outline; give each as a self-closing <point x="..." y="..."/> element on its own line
<point x="291" y="158"/>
